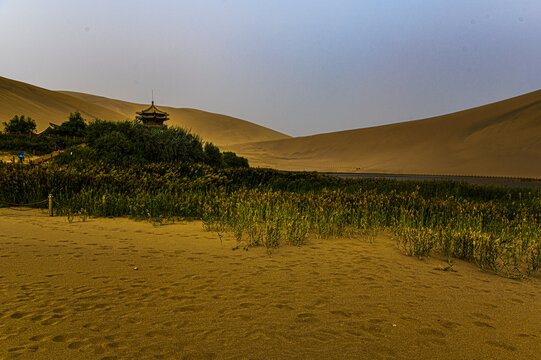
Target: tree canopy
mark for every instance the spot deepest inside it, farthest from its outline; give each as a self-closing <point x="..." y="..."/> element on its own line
<point x="130" y="142"/>
<point x="20" y="125"/>
<point x="75" y="126"/>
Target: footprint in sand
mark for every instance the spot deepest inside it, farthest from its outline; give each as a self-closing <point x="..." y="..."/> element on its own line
<point x="341" y="313"/>
<point x="307" y="318"/>
<point x="39" y="338"/>
<point x="19" y="315"/>
<point x="501" y="345"/>
<point x="53" y="320"/>
<point x="449" y="324"/>
<point x="431" y="337"/>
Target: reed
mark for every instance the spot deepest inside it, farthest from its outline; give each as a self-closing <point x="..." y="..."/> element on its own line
<point x="492" y="227"/>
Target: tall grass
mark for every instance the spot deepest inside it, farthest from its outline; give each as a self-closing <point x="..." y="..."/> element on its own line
<point x="496" y="228"/>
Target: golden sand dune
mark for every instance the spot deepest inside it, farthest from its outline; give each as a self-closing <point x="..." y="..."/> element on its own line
<point x="45" y="106"/>
<point x="499" y="139"/>
<point x="220" y="129"/>
<point x="70" y="291"/>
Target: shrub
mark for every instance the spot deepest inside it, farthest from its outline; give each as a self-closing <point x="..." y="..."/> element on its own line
<point x="232" y="160"/>
<point x="20" y="125"/>
<point x="130" y="142"/>
<point x="213" y="157"/>
<point x="75" y="126"/>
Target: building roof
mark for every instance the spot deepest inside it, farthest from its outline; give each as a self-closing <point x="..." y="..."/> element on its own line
<point x="152" y="111"/>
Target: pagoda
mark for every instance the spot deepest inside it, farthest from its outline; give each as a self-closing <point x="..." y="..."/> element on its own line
<point x="152" y="116"/>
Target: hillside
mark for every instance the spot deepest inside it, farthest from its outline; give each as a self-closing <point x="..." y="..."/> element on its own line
<point x="220" y="129"/>
<point x="44" y="106"/>
<point x="499" y="139"/>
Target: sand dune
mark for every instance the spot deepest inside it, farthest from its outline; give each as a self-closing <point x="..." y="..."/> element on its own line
<point x="70" y="291"/>
<point x="499" y="139"/>
<point x="220" y="129"/>
<point x="44" y="106"/>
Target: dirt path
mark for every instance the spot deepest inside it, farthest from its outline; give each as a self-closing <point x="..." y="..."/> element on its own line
<point x="28" y="158"/>
<point x="70" y="291"/>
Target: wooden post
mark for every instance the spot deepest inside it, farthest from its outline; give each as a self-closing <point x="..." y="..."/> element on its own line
<point x="50" y="204"/>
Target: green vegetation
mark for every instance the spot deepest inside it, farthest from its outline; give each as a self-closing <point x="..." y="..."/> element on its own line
<point x="162" y="174"/>
<point x="20" y="125"/>
<point x="74" y="127"/>
<point x="38" y="145"/>
<point x="118" y="143"/>
<point x="132" y="143"/>
<point x="19" y="134"/>
<point x="497" y="228"/>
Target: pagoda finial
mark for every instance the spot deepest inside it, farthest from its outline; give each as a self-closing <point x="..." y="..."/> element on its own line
<point x="152" y="96"/>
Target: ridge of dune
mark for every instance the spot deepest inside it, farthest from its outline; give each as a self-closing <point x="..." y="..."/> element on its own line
<point x="220" y="129"/>
<point x="498" y="139"/>
<point x="45" y="106"/>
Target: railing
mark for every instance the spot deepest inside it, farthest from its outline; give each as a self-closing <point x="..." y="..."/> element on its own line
<point x="49" y="198"/>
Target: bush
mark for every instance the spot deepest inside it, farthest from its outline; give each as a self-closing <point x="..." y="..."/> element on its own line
<point x="75" y="126"/>
<point x="213" y="157"/>
<point x="232" y="160"/>
<point x="39" y="145"/>
<point x="20" y="125"/>
<point x="130" y="142"/>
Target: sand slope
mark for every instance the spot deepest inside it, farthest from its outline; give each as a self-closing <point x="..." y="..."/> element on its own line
<point x="44" y="106"/>
<point x="499" y="139"/>
<point x="69" y="291"/>
<point x="220" y="129"/>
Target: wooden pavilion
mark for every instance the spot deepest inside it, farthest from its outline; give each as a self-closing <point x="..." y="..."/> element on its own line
<point x="152" y="116"/>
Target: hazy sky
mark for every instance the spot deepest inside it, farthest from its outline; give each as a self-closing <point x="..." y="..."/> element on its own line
<point x="298" y="66"/>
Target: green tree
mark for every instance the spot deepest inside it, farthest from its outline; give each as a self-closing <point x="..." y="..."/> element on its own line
<point x="75" y="126"/>
<point x="232" y="160"/>
<point x="20" y="125"/>
<point x="213" y="157"/>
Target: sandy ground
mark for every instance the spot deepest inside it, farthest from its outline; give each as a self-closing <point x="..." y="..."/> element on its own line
<point x="70" y="291"/>
<point x="498" y="139"/>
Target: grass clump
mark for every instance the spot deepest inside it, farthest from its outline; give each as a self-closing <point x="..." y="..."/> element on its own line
<point x="492" y="227"/>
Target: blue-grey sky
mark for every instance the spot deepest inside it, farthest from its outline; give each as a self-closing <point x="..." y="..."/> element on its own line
<point x="298" y="66"/>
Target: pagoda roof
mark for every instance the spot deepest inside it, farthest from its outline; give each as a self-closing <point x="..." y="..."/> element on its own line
<point x="152" y="110"/>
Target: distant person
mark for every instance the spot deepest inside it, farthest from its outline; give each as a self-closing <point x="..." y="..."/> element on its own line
<point x="61" y="146"/>
<point x="21" y="156"/>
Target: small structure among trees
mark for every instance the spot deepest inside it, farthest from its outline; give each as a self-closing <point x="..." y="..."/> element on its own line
<point x="152" y="116"/>
<point x="74" y="127"/>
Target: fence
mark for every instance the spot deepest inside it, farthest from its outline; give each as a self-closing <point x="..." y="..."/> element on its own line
<point x="49" y="199"/>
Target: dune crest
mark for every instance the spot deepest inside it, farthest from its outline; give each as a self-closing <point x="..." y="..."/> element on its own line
<point x="220" y="129"/>
<point x="45" y="106"/>
<point x="499" y="139"/>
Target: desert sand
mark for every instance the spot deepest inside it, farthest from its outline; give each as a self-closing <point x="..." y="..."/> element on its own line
<point x="502" y="139"/>
<point x="499" y="139"/>
<point x="220" y="129"/>
<point x="45" y="106"/>
<point x="121" y="289"/>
